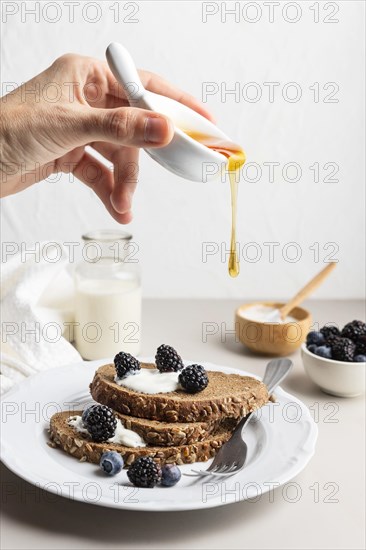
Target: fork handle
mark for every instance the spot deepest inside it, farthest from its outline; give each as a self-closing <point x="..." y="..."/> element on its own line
<point x="276" y="371"/>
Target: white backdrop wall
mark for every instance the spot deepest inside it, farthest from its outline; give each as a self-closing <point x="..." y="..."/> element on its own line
<point x="173" y="217"/>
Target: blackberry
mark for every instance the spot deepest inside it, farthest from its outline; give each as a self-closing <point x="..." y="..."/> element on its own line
<point x="126" y="364"/>
<point x="361" y="346"/>
<point x="144" y="472"/>
<point x="329" y="331"/>
<point x="315" y="337"/>
<point x="343" y="349"/>
<point x="193" y="379"/>
<point x="332" y="339"/>
<point x="167" y="359"/>
<point x="86" y="412"/>
<point x="101" y="423"/>
<point x="354" y="330"/>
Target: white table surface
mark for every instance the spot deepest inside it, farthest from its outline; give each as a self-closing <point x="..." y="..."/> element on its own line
<point x="329" y="509"/>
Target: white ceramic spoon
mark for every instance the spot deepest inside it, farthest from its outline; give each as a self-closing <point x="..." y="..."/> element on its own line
<point x="183" y="155"/>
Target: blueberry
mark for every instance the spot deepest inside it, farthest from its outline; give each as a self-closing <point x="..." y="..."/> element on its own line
<point x="111" y="463"/>
<point x="312" y="348"/>
<point x="324" y="351"/>
<point x="86" y="411"/>
<point x="315" y="337"/>
<point x="170" y="475"/>
<point x="360" y="358"/>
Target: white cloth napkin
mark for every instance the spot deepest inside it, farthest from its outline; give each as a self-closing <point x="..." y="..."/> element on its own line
<point x="36" y="302"/>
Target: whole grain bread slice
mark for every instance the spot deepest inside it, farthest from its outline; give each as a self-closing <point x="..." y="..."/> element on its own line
<point x="227" y="395"/>
<point x="166" y="434"/>
<point x="82" y="447"/>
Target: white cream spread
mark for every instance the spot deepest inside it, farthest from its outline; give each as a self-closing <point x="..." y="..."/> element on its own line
<point x="77" y="423"/>
<point x="150" y="381"/>
<point x="123" y="436"/>
<point x="266" y="314"/>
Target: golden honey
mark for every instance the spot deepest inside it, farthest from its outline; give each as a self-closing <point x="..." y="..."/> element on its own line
<point x="236" y="159"/>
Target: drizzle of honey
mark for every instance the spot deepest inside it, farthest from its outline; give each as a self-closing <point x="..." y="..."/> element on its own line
<point x="236" y="158"/>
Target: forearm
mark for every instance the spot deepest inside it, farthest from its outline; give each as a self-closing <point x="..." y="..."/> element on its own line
<point x="10" y="169"/>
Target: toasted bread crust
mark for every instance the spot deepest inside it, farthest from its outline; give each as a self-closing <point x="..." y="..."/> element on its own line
<point x="166" y="434"/>
<point x="82" y="447"/>
<point x="227" y="395"/>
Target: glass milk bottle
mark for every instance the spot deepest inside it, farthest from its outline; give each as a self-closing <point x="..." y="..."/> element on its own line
<point x="107" y="296"/>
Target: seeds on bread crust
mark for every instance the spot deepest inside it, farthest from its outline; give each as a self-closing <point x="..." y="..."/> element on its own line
<point x="166" y="434"/>
<point x="61" y="434"/>
<point x="229" y="395"/>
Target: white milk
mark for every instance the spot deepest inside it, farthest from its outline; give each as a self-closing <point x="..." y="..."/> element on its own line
<point x="109" y="317"/>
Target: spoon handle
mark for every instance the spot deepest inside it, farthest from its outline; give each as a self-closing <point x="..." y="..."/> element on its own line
<point x="124" y="69"/>
<point x="306" y="290"/>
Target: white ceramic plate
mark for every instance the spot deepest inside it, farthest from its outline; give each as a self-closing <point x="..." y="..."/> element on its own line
<point x="281" y="441"/>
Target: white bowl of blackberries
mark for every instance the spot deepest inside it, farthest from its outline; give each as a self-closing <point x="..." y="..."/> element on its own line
<point x="335" y="359"/>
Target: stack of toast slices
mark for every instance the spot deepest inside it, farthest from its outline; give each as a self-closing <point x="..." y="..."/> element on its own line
<point x="177" y="427"/>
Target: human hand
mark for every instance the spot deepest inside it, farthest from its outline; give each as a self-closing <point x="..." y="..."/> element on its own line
<point x="47" y="122"/>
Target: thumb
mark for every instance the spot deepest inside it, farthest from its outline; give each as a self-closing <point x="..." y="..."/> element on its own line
<point x="127" y="126"/>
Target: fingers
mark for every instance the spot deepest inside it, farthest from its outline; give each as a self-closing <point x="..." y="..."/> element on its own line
<point x="157" y="84"/>
<point x="125" y="126"/>
<point x="99" y="178"/>
<point x="126" y="171"/>
<point x="100" y="89"/>
<point x="125" y="163"/>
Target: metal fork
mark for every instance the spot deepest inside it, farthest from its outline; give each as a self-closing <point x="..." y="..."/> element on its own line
<point x="232" y="456"/>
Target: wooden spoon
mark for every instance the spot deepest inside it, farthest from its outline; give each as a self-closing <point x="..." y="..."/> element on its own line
<point x="306" y="290"/>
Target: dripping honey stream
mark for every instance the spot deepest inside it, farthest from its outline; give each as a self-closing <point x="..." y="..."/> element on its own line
<point x="236" y="158"/>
